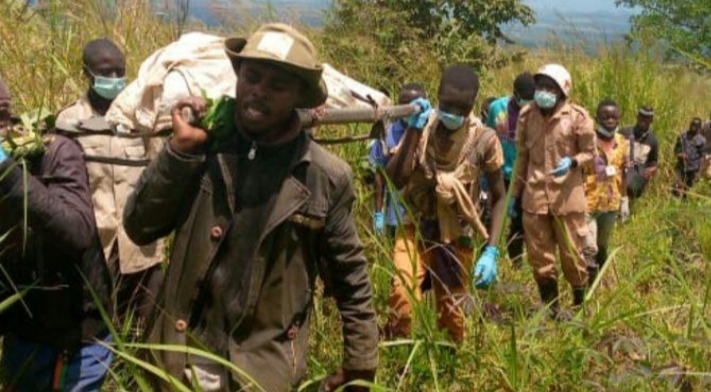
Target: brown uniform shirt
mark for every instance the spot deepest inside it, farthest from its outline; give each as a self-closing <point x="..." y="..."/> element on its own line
<point x="467" y="153"/>
<point x="110" y="187"/>
<point x="542" y="143"/>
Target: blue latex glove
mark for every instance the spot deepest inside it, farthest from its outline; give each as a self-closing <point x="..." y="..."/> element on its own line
<point x="485" y="272"/>
<point x="513" y="214"/>
<point x="3" y="154"/>
<point x="379" y="222"/>
<point x="419" y="119"/>
<point x="563" y="167"/>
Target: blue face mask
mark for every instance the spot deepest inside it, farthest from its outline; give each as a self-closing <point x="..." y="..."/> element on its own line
<point x="108" y="88"/>
<point x="545" y="99"/>
<point x="606" y="132"/>
<point x="450" y="121"/>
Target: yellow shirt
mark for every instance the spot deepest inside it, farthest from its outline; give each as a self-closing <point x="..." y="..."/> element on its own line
<point x="604" y="183"/>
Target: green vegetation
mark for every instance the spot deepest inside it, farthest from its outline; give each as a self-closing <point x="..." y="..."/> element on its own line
<point x="683" y="25"/>
<point x="443" y="30"/>
<point x="646" y="326"/>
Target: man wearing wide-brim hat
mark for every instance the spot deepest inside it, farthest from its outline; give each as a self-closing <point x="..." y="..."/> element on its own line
<point x="258" y="212"/>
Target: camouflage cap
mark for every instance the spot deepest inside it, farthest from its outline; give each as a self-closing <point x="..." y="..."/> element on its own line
<point x="285" y="47"/>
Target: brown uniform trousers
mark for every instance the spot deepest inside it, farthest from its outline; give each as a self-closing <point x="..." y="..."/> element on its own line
<point x="554" y="207"/>
<point x="412" y="262"/>
<point x="565" y="234"/>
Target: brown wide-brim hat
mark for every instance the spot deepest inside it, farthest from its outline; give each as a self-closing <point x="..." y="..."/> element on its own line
<point x="283" y="46"/>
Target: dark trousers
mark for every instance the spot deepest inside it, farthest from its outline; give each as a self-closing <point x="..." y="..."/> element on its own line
<point x="515" y="237"/>
<point x="685" y="181"/>
<point x="135" y="294"/>
<point x="28" y="366"/>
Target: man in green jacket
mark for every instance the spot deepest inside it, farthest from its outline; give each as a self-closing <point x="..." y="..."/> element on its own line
<point x="258" y="211"/>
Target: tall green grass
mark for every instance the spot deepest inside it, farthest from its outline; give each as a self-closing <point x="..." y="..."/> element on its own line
<point x="646" y="327"/>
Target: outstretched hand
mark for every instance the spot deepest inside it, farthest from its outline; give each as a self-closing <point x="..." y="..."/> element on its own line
<point x="419" y="120"/>
<point x="486" y="270"/>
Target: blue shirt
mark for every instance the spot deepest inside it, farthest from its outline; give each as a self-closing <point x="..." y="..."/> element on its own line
<point x="503" y="118"/>
<point x="379" y="157"/>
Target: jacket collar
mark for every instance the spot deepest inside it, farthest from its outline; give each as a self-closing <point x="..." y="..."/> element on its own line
<point x="563" y="110"/>
<point x="227" y="161"/>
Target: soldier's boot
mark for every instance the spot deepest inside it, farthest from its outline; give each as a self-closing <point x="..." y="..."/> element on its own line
<point x="578" y="297"/>
<point x="548" y="289"/>
<point x="592" y="275"/>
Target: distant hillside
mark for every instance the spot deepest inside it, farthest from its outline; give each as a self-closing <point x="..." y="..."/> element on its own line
<point x="214" y="12"/>
<point x="590" y="27"/>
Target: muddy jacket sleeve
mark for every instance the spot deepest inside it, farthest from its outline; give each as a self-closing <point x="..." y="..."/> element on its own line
<point x="154" y="207"/>
<point x="58" y="200"/>
<point x="351" y="284"/>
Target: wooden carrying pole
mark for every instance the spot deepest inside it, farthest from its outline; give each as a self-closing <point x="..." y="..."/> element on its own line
<point x="315" y="117"/>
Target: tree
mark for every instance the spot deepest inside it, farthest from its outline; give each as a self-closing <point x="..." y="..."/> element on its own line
<point x="684" y="25"/>
<point x="445" y="31"/>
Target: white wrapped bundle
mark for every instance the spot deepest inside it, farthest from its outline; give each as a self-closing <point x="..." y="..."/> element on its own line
<point x="195" y="63"/>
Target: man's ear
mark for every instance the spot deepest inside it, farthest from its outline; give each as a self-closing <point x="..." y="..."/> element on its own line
<point x="87" y="73"/>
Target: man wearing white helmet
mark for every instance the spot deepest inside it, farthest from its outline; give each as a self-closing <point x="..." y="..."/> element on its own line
<point x="555" y="139"/>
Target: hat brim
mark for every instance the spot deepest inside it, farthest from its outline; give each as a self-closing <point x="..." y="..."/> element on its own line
<point x="316" y="91"/>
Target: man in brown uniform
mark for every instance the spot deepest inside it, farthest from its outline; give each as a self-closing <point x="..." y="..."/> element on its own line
<point x="555" y="140"/>
<point x="258" y="211"/>
<point x="114" y="163"/>
<point x="442" y="159"/>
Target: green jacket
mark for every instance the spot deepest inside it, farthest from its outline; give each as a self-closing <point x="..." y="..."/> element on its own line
<point x="309" y="231"/>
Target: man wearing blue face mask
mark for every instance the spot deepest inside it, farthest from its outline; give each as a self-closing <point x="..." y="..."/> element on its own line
<point x="503" y="117"/>
<point x="555" y="140"/>
<point x="443" y="157"/>
<point x="114" y="163"/>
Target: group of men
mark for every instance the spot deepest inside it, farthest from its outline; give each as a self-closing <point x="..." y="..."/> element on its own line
<point x="568" y="181"/>
<point x="256" y="217"/>
<point x="73" y="253"/>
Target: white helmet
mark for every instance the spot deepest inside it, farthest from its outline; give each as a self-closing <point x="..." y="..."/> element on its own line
<point x="560" y="75"/>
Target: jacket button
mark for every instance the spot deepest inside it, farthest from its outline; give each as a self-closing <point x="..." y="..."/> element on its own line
<point x="216" y="232"/>
<point x="291" y="333"/>
<point x="181" y="326"/>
